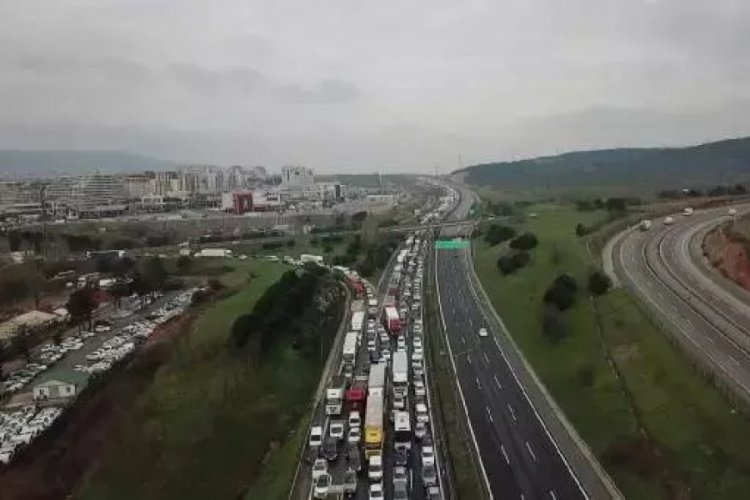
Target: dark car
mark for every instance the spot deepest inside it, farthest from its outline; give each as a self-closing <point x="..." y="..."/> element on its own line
<point x="400" y="491"/>
<point x="354" y="458"/>
<point x="400" y="457"/>
<point x="330" y="449"/>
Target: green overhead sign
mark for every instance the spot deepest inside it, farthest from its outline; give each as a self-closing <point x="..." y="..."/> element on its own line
<point x="454" y="244"/>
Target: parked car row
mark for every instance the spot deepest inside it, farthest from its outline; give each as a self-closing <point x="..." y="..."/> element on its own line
<point x="20" y="427"/>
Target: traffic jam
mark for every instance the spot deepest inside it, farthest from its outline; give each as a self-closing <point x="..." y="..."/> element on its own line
<point x="375" y="439"/>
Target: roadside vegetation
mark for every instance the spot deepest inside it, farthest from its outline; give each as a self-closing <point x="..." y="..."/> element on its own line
<point x="658" y="427"/>
<point x="222" y="416"/>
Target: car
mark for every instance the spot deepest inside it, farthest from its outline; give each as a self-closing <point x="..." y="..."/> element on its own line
<point x="330" y="449"/>
<point x="429" y="475"/>
<point x="322" y="485"/>
<point x="420" y="429"/>
<point x="420" y="410"/>
<point x="419" y="389"/>
<point x="319" y="468"/>
<point x="400" y="475"/>
<point x="386" y="354"/>
<point x="400" y="457"/>
<point x="316" y="436"/>
<point x="371" y="345"/>
<point x="400" y="491"/>
<point x="418" y="350"/>
<point x="417" y="342"/>
<point x="375" y="468"/>
<point x="417" y="369"/>
<point x="376" y="491"/>
<point x="336" y="430"/>
<point x="428" y="455"/>
<point x="374" y="357"/>
<point x="354" y="458"/>
<point x="433" y="493"/>
<point x="355" y="419"/>
<point x="350" y="482"/>
<point x="348" y="371"/>
<point x="399" y="401"/>
<point x="102" y="326"/>
<point x="401" y="344"/>
<point x="355" y="435"/>
<point x="482" y="332"/>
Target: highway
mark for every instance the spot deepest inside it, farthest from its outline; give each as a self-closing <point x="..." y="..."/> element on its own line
<point x="706" y="313"/>
<point x="513" y="436"/>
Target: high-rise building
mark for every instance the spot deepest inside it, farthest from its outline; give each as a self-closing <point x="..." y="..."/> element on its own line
<point x="296" y="176"/>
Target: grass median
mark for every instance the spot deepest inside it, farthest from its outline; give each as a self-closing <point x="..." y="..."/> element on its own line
<point x="656" y="424"/>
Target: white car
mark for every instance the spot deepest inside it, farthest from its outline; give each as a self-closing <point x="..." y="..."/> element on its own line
<point x="421" y="413"/>
<point x="322" y="485"/>
<point x="420" y="429"/>
<point x="418" y="350"/>
<point x="428" y="455"/>
<point x="319" y="468"/>
<point x="336" y="430"/>
<point x="482" y="332"/>
<point x="376" y="491"/>
<point x="355" y="435"/>
<point x="401" y="344"/>
<point x="419" y="389"/>
<point x="417" y="342"/>
<point x="399" y="402"/>
<point x="355" y="419"/>
<point x="316" y="436"/>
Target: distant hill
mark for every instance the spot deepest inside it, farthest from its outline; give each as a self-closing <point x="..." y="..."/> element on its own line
<point x="40" y="163"/>
<point x="722" y="162"/>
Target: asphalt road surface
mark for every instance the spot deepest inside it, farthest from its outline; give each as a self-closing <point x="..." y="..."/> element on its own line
<point x="706" y="313"/>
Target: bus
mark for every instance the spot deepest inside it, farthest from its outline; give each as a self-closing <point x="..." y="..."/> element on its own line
<point x="402" y="430"/>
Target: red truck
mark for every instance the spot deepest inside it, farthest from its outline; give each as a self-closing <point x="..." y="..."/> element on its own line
<point x="356" y="395"/>
<point x="391" y="320"/>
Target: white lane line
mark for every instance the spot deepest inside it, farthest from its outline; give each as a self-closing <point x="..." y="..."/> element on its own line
<point x="734" y="360"/>
<point x="489" y="414"/>
<point x="486" y="359"/>
<point x="505" y="454"/>
<point x="512" y="413"/>
<point x="479" y="384"/>
<point x="463" y="339"/>
<point x="531" y="452"/>
<point x="468" y="358"/>
<point x="497" y="382"/>
<point x="552" y="495"/>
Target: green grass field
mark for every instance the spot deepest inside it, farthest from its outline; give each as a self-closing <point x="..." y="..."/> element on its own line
<point x="697" y="441"/>
<point x="211" y="425"/>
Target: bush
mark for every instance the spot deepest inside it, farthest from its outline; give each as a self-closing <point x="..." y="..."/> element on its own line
<point x="508" y="264"/>
<point x="526" y="241"/>
<point x="581" y="230"/>
<point x="599" y="283"/>
<point x="498" y="233"/>
<point x="562" y="292"/>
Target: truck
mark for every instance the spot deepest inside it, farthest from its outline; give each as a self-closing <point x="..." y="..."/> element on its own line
<point x="376" y="379"/>
<point x="358" y="319"/>
<point x="349" y="351"/>
<point x="645" y="225"/>
<point x="356" y="285"/>
<point x="668" y="221"/>
<point x="315" y="259"/>
<point x="356" y="395"/>
<point x="391" y="320"/>
<point x="357" y="306"/>
<point x="400" y="371"/>
<point x="214" y="252"/>
<point x="687" y="211"/>
<point x="335" y="395"/>
<point x="732" y="212"/>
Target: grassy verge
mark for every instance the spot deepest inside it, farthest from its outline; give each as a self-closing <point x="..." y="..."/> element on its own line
<point x="660" y="429"/>
<point x="212" y="424"/>
<point x="446" y="402"/>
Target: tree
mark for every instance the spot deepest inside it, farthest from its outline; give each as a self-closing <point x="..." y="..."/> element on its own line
<point x="508" y="264"/>
<point x="498" y="233"/>
<point x="526" y="241"/>
<point x="599" y="283"/>
<point x="327" y="248"/>
<point x="184" y="263"/>
<point x="81" y="304"/>
<point x="581" y="230"/>
<point x="562" y="292"/>
<point x="153" y="274"/>
<point x="615" y="204"/>
<point x="20" y="343"/>
<point x="14" y="241"/>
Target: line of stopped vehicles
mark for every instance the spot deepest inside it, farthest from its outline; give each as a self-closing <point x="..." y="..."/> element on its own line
<point x="377" y="407"/>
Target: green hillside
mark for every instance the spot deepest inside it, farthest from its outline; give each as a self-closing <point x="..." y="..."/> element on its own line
<point x="708" y="164"/>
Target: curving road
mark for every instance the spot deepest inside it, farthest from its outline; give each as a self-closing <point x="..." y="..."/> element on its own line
<point x="511" y="418"/>
<point x="706" y="313"/>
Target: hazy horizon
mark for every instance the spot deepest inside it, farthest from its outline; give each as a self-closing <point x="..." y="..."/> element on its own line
<point x="353" y="87"/>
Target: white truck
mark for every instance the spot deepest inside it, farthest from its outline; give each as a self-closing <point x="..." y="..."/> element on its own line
<point x="687" y="211"/>
<point x="668" y="221"/>
<point x="335" y="395"/>
<point x="400" y="373"/>
<point x="349" y="351"/>
<point x="316" y="259"/>
<point x="358" y="319"/>
<point x="214" y="252"/>
<point x="645" y="225"/>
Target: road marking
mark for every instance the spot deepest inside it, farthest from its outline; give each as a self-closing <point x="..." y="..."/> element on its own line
<point x="479" y="385"/>
<point x="486" y="359"/>
<point x="468" y="358"/>
<point x="512" y="413"/>
<point x="734" y="360"/>
<point x="463" y="339"/>
<point x="497" y="382"/>
<point x="552" y="495"/>
<point x="505" y="454"/>
<point x="531" y="452"/>
<point x="489" y="414"/>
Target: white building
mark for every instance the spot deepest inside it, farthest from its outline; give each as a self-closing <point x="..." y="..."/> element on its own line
<point x="296" y="176"/>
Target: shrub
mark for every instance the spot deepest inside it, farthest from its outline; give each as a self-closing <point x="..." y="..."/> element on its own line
<point x="599" y="283"/>
<point x="498" y="233"/>
<point x="525" y="241"/>
<point x="562" y="292"/>
<point x="581" y="230"/>
<point x="508" y="264"/>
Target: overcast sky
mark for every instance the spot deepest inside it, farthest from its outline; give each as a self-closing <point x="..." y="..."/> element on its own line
<point x="350" y="85"/>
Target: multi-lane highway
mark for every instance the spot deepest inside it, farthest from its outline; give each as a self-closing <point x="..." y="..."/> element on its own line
<point x="508" y="415"/>
<point x="708" y="315"/>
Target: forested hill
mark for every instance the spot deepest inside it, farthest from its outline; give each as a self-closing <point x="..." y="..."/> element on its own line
<point x="713" y="163"/>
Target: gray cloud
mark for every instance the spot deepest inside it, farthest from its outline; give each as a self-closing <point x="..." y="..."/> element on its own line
<point x="390" y="84"/>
